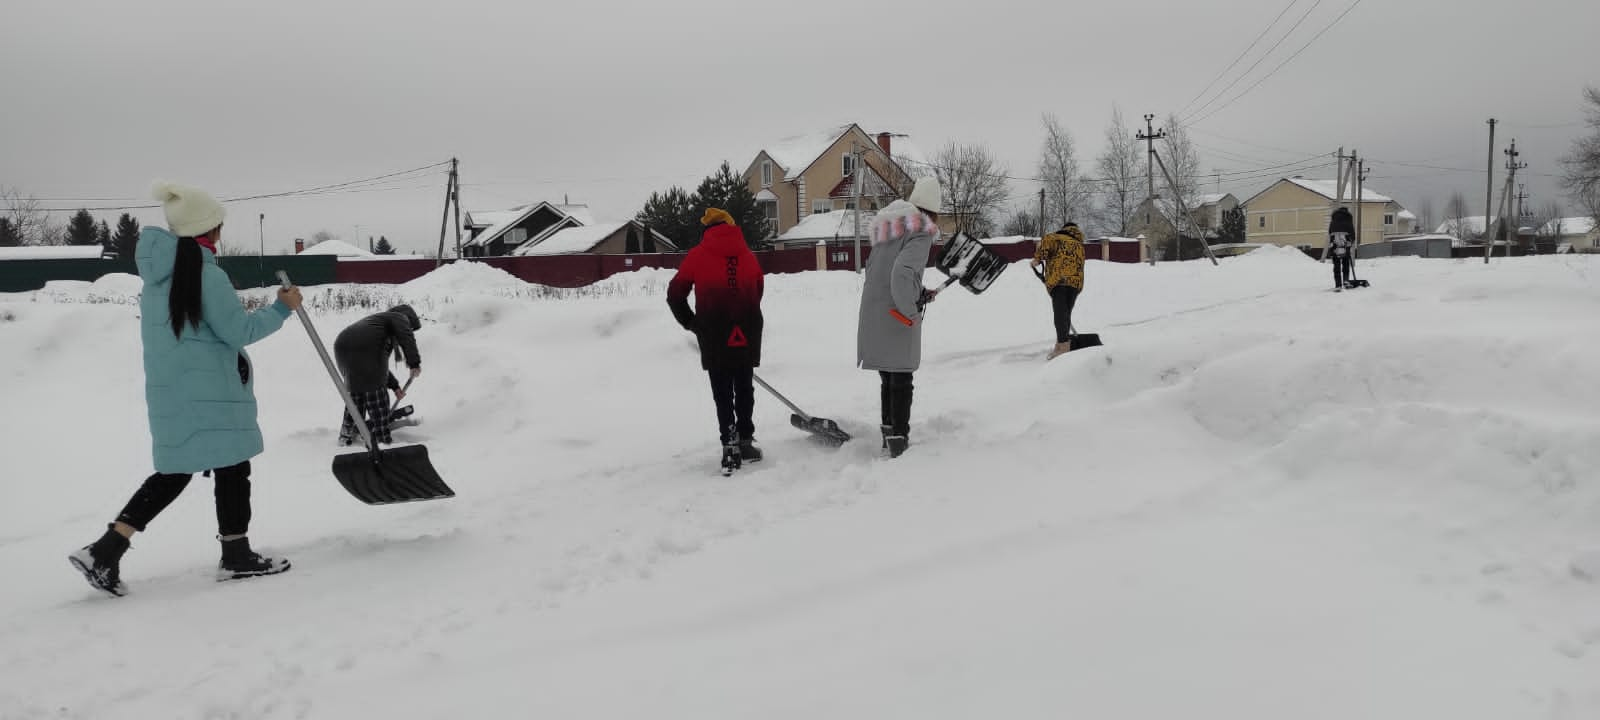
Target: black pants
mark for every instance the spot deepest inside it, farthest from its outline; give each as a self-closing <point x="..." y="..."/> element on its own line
<point x="1341" y="270"/>
<point x="733" y="389"/>
<point x="896" y="391"/>
<point x="1062" y="298"/>
<point x="160" y="489"/>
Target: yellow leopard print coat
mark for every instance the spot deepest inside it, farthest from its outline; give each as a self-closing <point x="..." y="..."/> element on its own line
<point x="1062" y="254"/>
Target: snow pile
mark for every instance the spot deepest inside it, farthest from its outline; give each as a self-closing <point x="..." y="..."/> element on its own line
<point x="1259" y="497"/>
<point x="335" y="247"/>
<point x="464" y="276"/>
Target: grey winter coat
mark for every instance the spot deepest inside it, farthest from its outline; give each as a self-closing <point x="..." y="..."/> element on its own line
<point x="902" y="237"/>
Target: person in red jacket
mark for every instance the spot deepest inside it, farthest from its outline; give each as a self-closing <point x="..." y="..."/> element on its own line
<point x="727" y="322"/>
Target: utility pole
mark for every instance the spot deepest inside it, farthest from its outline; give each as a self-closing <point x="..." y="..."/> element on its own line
<point x="1360" y="196"/>
<point x="1488" y="195"/>
<point x="1150" y="135"/>
<point x="261" y="263"/>
<point x="1512" y="166"/>
<point x="455" y="199"/>
<point x="1042" y="230"/>
<point x="444" y="219"/>
<point x="1183" y="213"/>
<point x="855" y="193"/>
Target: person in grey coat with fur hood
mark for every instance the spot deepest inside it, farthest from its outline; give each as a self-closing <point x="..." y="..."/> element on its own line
<point x="893" y="300"/>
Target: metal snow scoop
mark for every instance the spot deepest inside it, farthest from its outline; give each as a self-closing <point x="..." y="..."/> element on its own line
<point x="1079" y="340"/>
<point x="823" y="428"/>
<point x="966" y="260"/>
<point x="376" y="477"/>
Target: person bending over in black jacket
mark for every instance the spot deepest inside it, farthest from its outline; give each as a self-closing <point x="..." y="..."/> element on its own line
<point x="362" y="351"/>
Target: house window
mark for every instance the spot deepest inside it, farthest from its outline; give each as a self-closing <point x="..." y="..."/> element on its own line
<point x="821" y="206"/>
<point x="1388" y="220"/>
<point x="516" y="237"/>
<point x="848" y="164"/>
<point x="841" y="257"/>
<point x="1262" y="221"/>
<point x="770" y="210"/>
<point x="766" y="173"/>
<point x="849" y="204"/>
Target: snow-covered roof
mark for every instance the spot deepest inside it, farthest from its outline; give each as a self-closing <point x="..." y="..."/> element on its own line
<point x="51" y="252"/>
<point x="766" y="195"/>
<point x="796" y="153"/>
<point x="1407" y="215"/>
<point x="1569" y="226"/>
<point x="827" y="226"/>
<point x="1330" y="188"/>
<point x="506" y="219"/>
<point x="490" y="218"/>
<point x="1209" y="199"/>
<point x="571" y="240"/>
<point x="335" y="247"/>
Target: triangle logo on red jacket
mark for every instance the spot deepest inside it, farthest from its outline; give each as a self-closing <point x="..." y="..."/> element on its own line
<point x="736" y="338"/>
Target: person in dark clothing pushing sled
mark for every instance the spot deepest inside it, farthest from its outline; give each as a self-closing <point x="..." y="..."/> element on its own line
<point x="362" y="351"/>
<point x="728" y="284"/>
<point x="1341" y="238"/>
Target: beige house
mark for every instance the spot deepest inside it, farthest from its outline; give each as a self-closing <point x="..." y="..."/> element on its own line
<point x="813" y="174"/>
<point x="1158" y="217"/>
<point x="1579" y="234"/>
<point x="1295" y="212"/>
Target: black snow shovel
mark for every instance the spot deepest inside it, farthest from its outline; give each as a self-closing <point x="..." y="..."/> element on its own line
<point x="969" y="262"/>
<point x="1079" y="340"/>
<point x="823" y="428"/>
<point x="376" y="477"/>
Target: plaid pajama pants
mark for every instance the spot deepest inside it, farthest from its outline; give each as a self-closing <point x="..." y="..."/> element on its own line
<point x="374" y="408"/>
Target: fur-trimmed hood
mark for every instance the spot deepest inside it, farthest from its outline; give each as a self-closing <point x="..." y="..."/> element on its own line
<point x="899" y="220"/>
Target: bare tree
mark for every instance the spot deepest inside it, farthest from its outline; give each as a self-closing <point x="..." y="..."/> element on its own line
<point x="1582" y="177"/>
<point x="1119" y="168"/>
<point x="1066" y="191"/>
<point x="1455" y="211"/>
<point x="903" y="182"/>
<point x="1022" y="222"/>
<point x="1548" y="217"/>
<point x="1183" y="163"/>
<point x="974" y="185"/>
<point x="1425" y="215"/>
<point x="27" y="220"/>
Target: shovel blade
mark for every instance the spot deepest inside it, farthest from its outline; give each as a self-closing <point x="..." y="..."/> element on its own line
<point x="822" y="428"/>
<point x="396" y="475"/>
<point x="1085" y="340"/>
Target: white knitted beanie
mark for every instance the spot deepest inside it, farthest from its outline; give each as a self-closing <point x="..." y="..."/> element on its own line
<point x="190" y="211"/>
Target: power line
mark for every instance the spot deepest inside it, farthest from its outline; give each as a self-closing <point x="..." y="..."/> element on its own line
<point x="332" y="189"/>
<point x="1257" y="63"/>
<point x="1280" y="66"/>
<point x="1236" y="60"/>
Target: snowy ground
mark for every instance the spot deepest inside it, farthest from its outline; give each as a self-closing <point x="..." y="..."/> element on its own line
<point x="1259" y="500"/>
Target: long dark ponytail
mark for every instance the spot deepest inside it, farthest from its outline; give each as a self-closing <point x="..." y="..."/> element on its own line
<point x="183" y="302"/>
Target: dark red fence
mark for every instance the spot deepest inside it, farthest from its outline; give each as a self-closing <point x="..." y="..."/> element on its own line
<point x="568" y="271"/>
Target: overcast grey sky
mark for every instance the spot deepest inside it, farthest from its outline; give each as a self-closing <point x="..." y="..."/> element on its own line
<point x="606" y="101"/>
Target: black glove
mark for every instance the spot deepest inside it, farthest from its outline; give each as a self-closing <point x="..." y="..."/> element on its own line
<point x="924" y="298"/>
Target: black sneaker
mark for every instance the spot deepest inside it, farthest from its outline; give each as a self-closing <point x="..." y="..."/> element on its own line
<point x="731" y="459"/>
<point x="101" y="561"/>
<point x="239" y="561"/>
<point x="102" y="575"/>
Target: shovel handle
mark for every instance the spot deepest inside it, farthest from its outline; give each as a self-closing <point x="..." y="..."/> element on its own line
<point x="333" y="373"/>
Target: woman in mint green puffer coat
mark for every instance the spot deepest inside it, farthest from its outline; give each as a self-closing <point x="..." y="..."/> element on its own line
<point x="199" y="386"/>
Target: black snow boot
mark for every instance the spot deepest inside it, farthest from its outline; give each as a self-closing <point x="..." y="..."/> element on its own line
<point x="899" y="435"/>
<point x="101" y="562"/>
<point x="239" y="561"/>
<point x="732" y="458"/>
<point x="748" y="450"/>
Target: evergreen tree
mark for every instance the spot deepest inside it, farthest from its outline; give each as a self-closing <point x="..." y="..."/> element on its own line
<point x="81" y="230"/>
<point x="1233" y="227"/>
<point x="126" y="239"/>
<point x="672" y="214"/>
<point x="104" y="237"/>
<point x="727" y="190"/>
<point x="383" y="248"/>
<point x="9" y="237"/>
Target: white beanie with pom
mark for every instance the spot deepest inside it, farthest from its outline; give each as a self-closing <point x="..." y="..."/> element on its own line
<point x="190" y="211"/>
<point x="926" y="194"/>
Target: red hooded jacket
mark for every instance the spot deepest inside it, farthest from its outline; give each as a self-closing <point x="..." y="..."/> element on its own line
<point x="728" y="285"/>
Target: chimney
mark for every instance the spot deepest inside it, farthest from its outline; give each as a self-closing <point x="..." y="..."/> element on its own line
<point x="299" y="245"/>
<point x="883" y="142"/>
